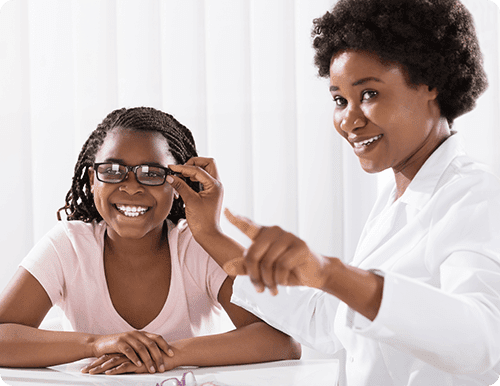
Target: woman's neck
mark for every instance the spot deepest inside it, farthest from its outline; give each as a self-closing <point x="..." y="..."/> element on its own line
<point x="404" y="174"/>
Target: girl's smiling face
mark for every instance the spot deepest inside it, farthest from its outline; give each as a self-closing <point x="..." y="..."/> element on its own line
<point x="389" y="123"/>
<point x="130" y="147"/>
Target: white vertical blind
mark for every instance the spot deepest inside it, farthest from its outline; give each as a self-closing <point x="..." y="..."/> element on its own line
<point x="239" y="74"/>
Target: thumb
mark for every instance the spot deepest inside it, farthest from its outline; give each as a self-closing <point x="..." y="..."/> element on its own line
<point x="182" y="188"/>
<point x="235" y="267"/>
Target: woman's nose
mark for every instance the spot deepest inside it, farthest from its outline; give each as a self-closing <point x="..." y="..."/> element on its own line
<point x="352" y="120"/>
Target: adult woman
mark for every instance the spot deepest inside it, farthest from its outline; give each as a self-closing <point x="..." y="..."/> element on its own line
<point x="420" y="302"/>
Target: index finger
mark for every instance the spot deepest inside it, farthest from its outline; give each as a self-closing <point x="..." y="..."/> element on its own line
<point x="207" y="164"/>
<point x="195" y="173"/>
<point x="162" y="343"/>
<point x="247" y="226"/>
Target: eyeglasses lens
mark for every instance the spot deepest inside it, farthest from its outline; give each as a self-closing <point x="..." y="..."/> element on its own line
<point x="145" y="174"/>
<point x="150" y="175"/>
<point x="111" y="172"/>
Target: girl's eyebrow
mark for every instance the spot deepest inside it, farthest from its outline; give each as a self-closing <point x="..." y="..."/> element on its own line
<point x="120" y="161"/>
<point x="359" y="82"/>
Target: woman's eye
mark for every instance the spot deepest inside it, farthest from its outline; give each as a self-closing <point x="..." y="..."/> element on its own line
<point x="339" y="101"/>
<point x="369" y="94"/>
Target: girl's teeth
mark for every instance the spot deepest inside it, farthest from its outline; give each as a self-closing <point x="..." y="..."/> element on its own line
<point x="132" y="211"/>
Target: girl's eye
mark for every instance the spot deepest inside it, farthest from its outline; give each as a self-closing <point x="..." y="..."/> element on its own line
<point x="339" y="101"/>
<point x="111" y="172"/>
<point x="369" y="94"/>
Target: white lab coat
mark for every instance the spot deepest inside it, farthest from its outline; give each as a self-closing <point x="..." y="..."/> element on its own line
<point x="438" y="247"/>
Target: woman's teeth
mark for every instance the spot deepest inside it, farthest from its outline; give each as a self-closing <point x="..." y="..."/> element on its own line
<point x="132" y="211"/>
<point x="368" y="141"/>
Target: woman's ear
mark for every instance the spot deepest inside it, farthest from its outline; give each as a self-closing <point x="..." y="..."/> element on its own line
<point x="433" y="92"/>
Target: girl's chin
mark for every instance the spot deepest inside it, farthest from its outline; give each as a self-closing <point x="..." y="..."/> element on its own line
<point x="129" y="233"/>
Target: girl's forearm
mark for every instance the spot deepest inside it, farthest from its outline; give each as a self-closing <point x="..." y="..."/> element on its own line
<point x="219" y="246"/>
<point x="255" y="343"/>
<point x="23" y="346"/>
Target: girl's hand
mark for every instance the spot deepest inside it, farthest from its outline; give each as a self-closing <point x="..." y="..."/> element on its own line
<point x="275" y="257"/>
<point x="203" y="208"/>
<point x="114" y="364"/>
<point x="141" y="348"/>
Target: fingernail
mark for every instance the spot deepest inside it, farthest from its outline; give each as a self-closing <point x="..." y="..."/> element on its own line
<point x="152" y="369"/>
<point x="139" y="363"/>
<point x="162" y="368"/>
<point x="170" y="352"/>
<point x="170" y="179"/>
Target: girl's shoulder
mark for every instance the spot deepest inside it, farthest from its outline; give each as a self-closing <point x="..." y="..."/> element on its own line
<point x="78" y="228"/>
<point x="183" y="246"/>
<point x="77" y="233"/>
<point x="180" y="232"/>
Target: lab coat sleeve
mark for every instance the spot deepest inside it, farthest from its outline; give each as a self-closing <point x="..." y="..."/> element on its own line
<point x="453" y="324"/>
<point x="304" y="313"/>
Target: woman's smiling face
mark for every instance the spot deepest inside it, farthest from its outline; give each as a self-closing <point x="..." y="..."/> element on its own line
<point x="389" y="123"/>
<point x="131" y="148"/>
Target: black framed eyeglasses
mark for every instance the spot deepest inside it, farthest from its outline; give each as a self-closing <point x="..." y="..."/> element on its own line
<point x="114" y="173"/>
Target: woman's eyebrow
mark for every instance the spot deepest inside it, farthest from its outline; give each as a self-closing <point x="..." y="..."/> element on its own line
<point x="359" y="82"/>
<point x="367" y="79"/>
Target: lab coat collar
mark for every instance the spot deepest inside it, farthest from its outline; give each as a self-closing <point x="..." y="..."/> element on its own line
<point x="423" y="185"/>
<point x="417" y="195"/>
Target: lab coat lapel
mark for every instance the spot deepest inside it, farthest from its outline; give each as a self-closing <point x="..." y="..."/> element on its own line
<point x="376" y="232"/>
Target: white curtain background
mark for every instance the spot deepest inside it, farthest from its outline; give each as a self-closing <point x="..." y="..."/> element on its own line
<point x="238" y="73"/>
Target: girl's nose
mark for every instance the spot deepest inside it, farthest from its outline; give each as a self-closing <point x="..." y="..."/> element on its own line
<point x="130" y="184"/>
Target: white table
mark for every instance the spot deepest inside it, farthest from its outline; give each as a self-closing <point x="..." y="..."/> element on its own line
<point x="311" y="372"/>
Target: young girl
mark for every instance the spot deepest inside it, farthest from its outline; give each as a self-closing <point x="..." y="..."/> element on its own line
<point x="132" y="275"/>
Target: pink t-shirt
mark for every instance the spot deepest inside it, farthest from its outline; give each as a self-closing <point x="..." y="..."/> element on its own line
<point x="68" y="263"/>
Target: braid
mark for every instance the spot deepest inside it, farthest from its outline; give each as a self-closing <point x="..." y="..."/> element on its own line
<point x="80" y="200"/>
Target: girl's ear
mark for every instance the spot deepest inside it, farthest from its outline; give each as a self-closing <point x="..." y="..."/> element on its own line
<point x="91" y="178"/>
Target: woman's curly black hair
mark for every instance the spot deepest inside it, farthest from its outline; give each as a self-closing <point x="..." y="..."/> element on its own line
<point x="434" y="40"/>
<point x="80" y="200"/>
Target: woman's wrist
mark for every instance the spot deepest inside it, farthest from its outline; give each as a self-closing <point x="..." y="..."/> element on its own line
<point x="329" y="274"/>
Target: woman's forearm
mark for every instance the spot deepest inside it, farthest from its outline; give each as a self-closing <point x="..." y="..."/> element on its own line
<point x="257" y="342"/>
<point x="361" y="290"/>
<point x="23" y="346"/>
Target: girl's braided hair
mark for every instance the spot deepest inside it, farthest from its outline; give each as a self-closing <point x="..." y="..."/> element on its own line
<point x="80" y="200"/>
